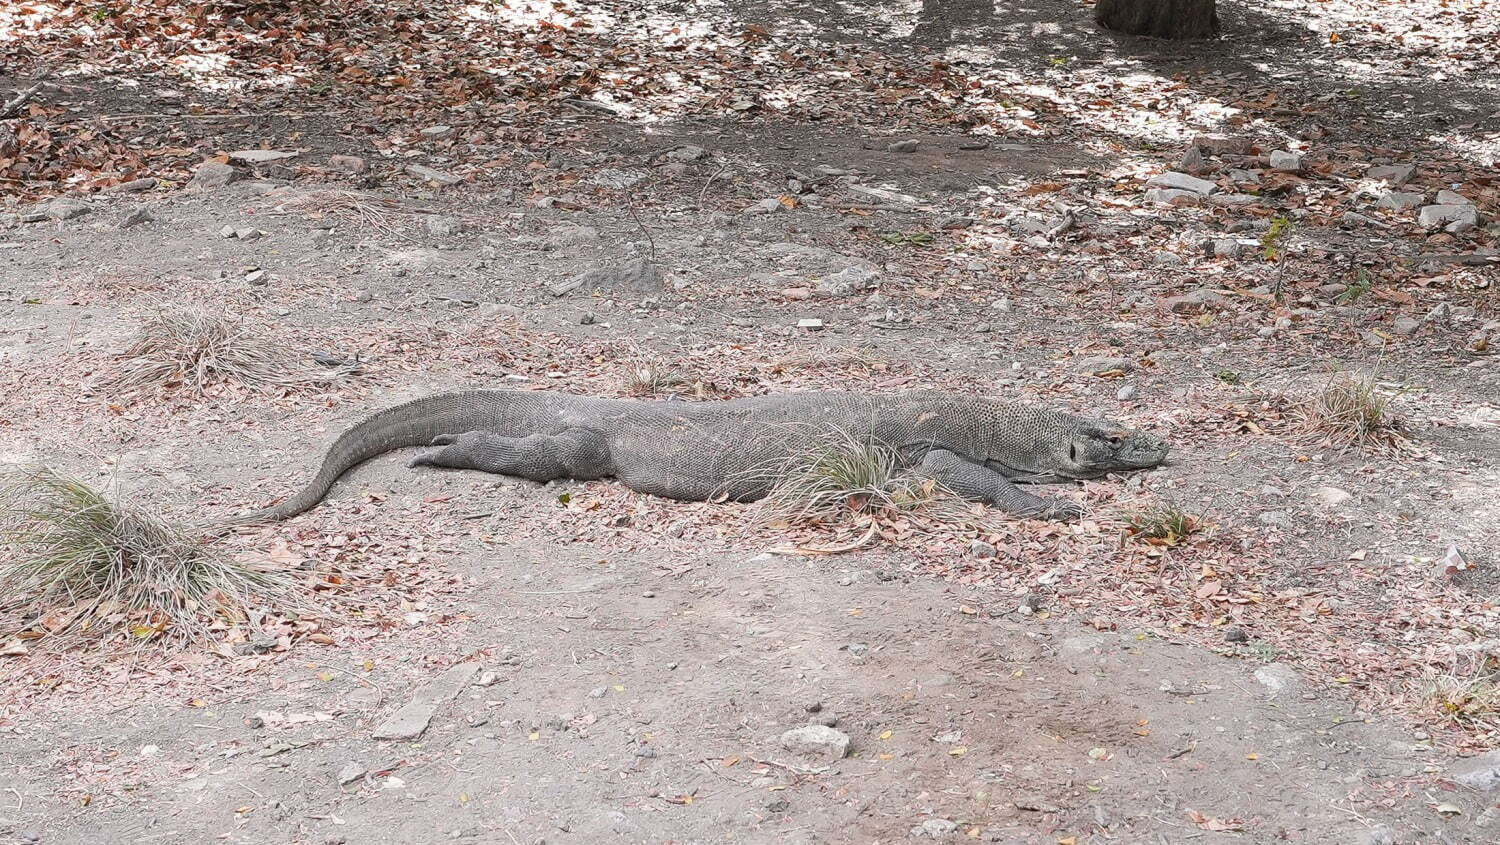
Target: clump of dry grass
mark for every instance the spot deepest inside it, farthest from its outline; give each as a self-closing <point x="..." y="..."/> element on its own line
<point x="196" y="347"/>
<point x="1350" y="411"/>
<point x="1162" y="523"/>
<point x="653" y="380"/>
<point x="843" y="475"/>
<point x="1467" y="693"/>
<point x="77" y="564"/>
<point x="377" y="213"/>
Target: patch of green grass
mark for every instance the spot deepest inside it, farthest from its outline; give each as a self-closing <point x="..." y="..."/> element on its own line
<point x="912" y="239"/>
<point x="1357" y="288"/>
<point x="76" y="563"/>
<point x="1161" y="523"/>
<point x="1229" y="377"/>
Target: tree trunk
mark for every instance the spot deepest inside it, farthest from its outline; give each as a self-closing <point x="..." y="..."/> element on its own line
<point x="1159" y="18"/>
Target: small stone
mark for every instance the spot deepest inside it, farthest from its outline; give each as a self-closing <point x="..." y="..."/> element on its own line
<point x="770" y="205"/>
<point x="1165" y="258"/>
<point x="1173" y="196"/>
<point x="1002" y="305"/>
<point x="811" y="324"/>
<point x="598" y="692"/>
<point x="1447" y="197"/>
<point x="150" y="751"/>
<point x="797" y="294"/>
<point x="857" y="649"/>
<point x="1235" y="635"/>
<point x="935" y="829"/>
<point x="1278" y="678"/>
<point x="1193" y="161"/>
<point x="908" y="146"/>
<point x="351" y="772"/>
<point x="134" y="186"/>
<point x="687" y="153"/>
<point x="255" y="277"/>
<point x="1333" y="289"/>
<point x="1101" y="365"/>
<point x="1126" y="393"/>
<point x="846" y="282"/>
<point x="813" y="706"/>
<point x="227" y="232"/>
<point x="487" y="679"/>
<point x="213" y="174"/>
<point x="1392" y="174"/>
<point x="1222" y="248"/>
<point x="1331" y="496"/>
<point x="780" y="805"/>
<point x="1279" y="519"/>
<point x="818" y="741"/>
<point x="1223" y="145"/>
<point x="1380" y="834"/>
<point x="1352" y="219"/>
<point x="1399" y="200"/>
<point x="826" y="719"/>
<point x="437" y="133"/>
<point x="348" y="164"/>
<point x="135" y="217"/>
<point x="982" y="550"/>
<point x="956" y="222"/>
<point x="247" y="233"/>
<point x="1182" y="182"/>
<point x="1286" y="161"/>
<point x="617" y="179"/>
<point x="363" y="295"/>
<point x="436" y="176"/>
<point x="1406" y="325"/>
<point x="261" y="156"/>
<point x="1194" y="302"/>
<point x="444" y="226"/>
<point x="588" y="318"/>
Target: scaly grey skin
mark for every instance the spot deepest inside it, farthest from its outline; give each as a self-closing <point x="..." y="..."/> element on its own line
<point x="703" y="451"/>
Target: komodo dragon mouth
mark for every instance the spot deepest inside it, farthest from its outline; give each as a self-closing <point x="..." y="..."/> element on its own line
<point x="979" y="448"/>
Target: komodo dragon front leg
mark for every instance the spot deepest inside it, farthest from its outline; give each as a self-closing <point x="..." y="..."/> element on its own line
<point x="576" y="453"/>
<point x="977" y="481"/>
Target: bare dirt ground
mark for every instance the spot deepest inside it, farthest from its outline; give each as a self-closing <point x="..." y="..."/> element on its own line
<point x="626" y="666"/>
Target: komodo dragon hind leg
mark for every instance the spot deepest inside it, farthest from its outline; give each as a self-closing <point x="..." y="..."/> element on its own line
<point x="580" y="454"/>
<point x="977" y="481"/>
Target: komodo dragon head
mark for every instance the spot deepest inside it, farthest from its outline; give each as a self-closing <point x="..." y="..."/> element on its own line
<point x="1096" y="446"/>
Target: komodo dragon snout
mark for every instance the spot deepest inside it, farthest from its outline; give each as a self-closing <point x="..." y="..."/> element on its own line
<point x="1102" y="446"/>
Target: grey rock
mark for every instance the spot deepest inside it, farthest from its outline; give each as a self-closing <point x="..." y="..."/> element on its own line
<point x="846" y="282"/>
<point x="442" y="226"/>
<point x="134" y="186"/>
<point x="1222" y="248"/>
<point x="1453" y="218"/>
<point x="348" y="164"/>
<point x="1223" y="144"/>
<point x="1195" y="302"/>
<point x="934" y="829"/>
<point x="1399" y="200"/>
<point x="1236" y="635"/>
<point x="908" y="146"/>
<point x="634" y="274"/>
<point x="956" y="222"/>
<point x="1182" y="182"/>
<point x="213" y="174"/>
<point x="1380" y="834"/>
<point x="1441" y="314"/>
<point x="1393" y="174"/>
<point x="857" y="649"/>
<point x="1248" y="176"/>
<point x="61" y="208"/>
<point x="770" y="205"/>
<point x="817" y="741"/>
<point x="261" y="156"/>
<point x="1002" y="305"/>
<point x="248" y="233"/>
<point x="617" y="179"/>
<point x="1333" y="289"/>
<point x="436" y="176"/>
<point x="1279" y="679"/>
<point x="1407" y="325"/>
<point x="1166" y="258"/>
<point x="135" y="217"/>
<point x="256" y="277"/>
<point x="1352" y="219"/>
<point x="351" y="772"/>
<point x="982" y="550"/>
<point x="687" y="153"/>
<point x="1192" y="160"/>
<point x="437" y="133"/>
<point x="363" y="295"/>
<point x="1447" y="197"/>
<point x="1331" y="496"/>
<point x="1126" y="393"/>
<point x="1286" y="162"/>
<point x="412" y="719"/>
<point x="1096" y="364"/>
<point x="1280" y="519"/>
<point x="1481" y="772"/>
<point x="1173" y="196"/>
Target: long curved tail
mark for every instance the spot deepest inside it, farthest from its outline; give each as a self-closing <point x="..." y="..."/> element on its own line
<point x="414" y="423"/>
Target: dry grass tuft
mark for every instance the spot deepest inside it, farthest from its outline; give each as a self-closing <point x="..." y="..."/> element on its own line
<point x="196" y="348"/>
<point x="1351" y="412"/>
<point x="377" y="213"/>
<point x="78" y="565"/>
<point x="1161" y="523"/>
<point x="1469" y="693"/>
<point x="844" y="476"/>
<point x="653" y="380"/>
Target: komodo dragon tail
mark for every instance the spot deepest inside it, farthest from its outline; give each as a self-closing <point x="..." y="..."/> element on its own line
<point x="415" y="423"/>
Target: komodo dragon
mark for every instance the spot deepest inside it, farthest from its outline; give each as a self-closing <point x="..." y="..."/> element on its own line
<point x="702" y="451"/>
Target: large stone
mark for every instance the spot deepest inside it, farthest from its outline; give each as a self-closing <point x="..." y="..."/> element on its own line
<point x="435" y="176"/>
<point x="634" y="274"/>
<point x="1182" y="182"/>
<point x="1392" y="174"/>
<point x="1173" y="196"/>
<point x="1452" y="218"/>
<point x="412" y="719"/>
<point x="817" y="741"/>
<point x="1286" y="161"/>
<point x="1447" y="197"/>
<point x="213" y="174"/>
<point x="1481" y="772"/>
<point x="1400" y="200"/>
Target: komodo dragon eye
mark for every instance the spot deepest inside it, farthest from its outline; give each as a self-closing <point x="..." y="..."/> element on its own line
<point x="1115" y="438"/>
